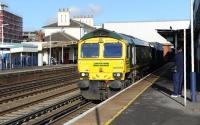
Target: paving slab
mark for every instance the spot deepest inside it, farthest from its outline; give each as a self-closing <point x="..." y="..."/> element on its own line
<point x="156" y="107"/>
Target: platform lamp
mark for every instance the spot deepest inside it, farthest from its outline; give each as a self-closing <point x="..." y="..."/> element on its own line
<point x="50" y="49"/>
<point x="2" y="32"/>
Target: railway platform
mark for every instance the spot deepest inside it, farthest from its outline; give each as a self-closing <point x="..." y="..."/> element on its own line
<point x="146" y="102"/>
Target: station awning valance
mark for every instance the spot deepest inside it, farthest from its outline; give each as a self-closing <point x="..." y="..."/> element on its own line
<point x="58" y="44"/>
<point x="4" y="49"/>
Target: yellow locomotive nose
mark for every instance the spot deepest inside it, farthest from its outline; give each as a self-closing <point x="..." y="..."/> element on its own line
<point x="100" y="69"/>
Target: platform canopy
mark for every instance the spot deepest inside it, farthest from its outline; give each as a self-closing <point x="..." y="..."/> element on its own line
<point x="59" y="39"/>
<point x="147" y="30"/>
<point x="18" y="47"/>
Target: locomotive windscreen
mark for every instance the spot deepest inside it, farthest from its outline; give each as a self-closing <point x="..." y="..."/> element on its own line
<point x="112" y="50"/>
<point x="90" y="50"/>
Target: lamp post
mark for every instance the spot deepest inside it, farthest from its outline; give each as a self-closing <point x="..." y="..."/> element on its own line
<point x="50" y="49"/>
<point x="80" y="28"/>
<point x="2" y="33"/>
<point x="2" y="36"/>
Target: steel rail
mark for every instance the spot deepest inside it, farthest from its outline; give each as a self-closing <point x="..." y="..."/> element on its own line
<point x="42" y="111"/>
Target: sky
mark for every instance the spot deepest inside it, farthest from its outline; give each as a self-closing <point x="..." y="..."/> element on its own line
<point x="38" y="13"/>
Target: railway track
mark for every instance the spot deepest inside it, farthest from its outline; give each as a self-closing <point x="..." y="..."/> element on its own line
<point x="68" y="104"/>
<point x="62" y="114"/>
<point x="71" y="114"/>
<point x="32" y="114"/>
<point x="36" y="97"/>
<point x="29" y="86"/>
<point x="36" y="91"/>
<point x="21" y="77"/>
<point x="23" y="106"/>
<point x="18" y="100"/>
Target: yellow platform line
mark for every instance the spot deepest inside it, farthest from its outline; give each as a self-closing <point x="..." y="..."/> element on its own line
<point x="129" y="103"/>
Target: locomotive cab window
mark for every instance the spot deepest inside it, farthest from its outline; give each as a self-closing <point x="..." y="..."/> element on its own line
<point x="90" y="50"/>
<point x="112" y="50"/>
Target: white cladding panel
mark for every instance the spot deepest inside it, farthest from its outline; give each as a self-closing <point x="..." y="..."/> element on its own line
<point x="38" y="44"/>
<point x="22" y="49"/>
<point x="45" y="57"/>
<point x="86" y="20"/>
<point x="30" y="49"/>
<point x="40" y="59"/>
<point x="75" y="32"/>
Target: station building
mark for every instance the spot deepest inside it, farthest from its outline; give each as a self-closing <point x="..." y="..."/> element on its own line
<point x="61" y="37"/>
<point x="63" y="48"/>
<point x="17" y="55"/>
<point x="13" y="53"/>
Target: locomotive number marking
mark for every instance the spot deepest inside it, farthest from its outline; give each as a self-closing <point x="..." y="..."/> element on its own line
<point x="101" y="64"/>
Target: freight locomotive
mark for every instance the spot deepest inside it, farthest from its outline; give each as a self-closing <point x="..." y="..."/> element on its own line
<point x="109" y="61"/>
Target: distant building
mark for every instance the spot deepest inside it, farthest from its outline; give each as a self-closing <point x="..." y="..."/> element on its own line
<point x="64" y="35"/>
<point x="85" y="19"/>
<point x="75" y="26"/>
<point x="33" y="36"/>
<point x="12" y="25"/>
<point x="29" y="36"/>
<point x="40" y="36"/>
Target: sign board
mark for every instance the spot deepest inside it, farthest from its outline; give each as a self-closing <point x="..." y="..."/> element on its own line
<point x="5" y="49"/>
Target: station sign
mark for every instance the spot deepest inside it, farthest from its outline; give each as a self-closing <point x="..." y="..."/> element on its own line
<point x="5" y="49"/>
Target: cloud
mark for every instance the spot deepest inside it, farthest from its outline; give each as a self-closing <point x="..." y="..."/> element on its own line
<point x="91" y="9"/>
<point x="94" y="9"/>
<point x="51" y="20"/>
<point x="74" y="10"/>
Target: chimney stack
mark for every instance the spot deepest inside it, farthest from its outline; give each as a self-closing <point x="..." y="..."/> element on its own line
<point x="63" y="17"/>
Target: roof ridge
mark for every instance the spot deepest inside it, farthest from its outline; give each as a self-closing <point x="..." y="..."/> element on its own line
<point x="73" y="23"/>
<point x="71" y="37"/>
<point x="82" y="23"/>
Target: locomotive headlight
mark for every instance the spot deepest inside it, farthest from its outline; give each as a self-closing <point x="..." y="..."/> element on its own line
<point x="84" y="74"/>
<point x="117" y="75"/>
